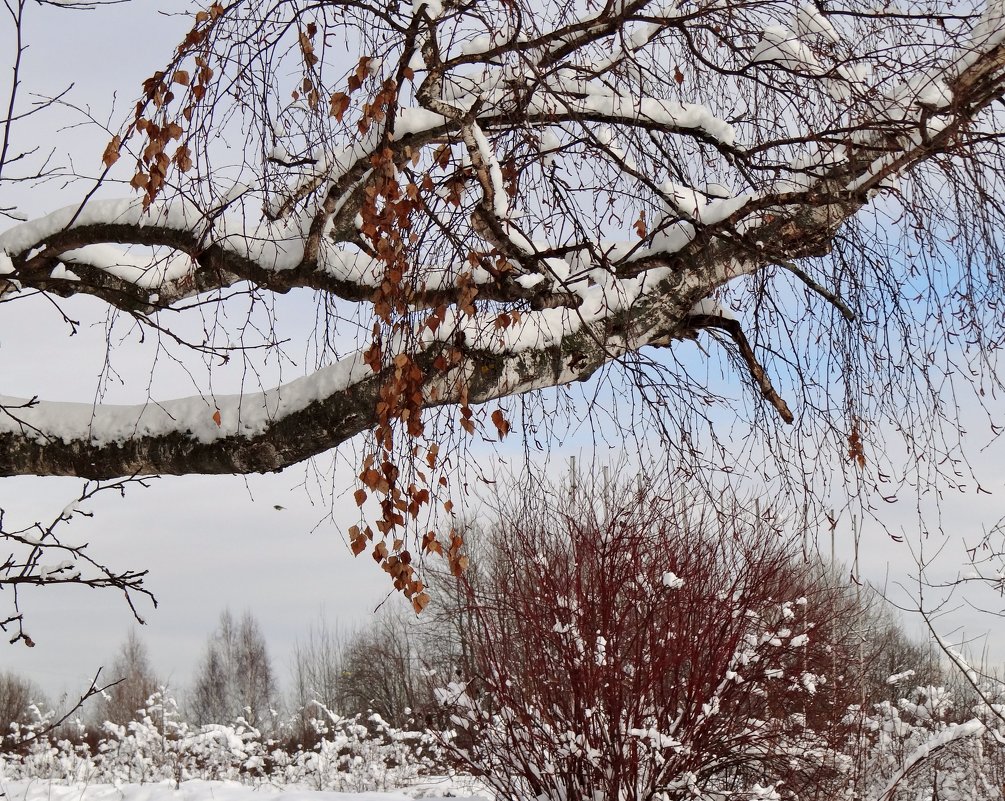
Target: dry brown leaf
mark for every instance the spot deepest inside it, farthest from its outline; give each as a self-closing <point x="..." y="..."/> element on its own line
<point x="111" y="154"/>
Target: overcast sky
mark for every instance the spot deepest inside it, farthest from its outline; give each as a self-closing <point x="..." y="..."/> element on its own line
<point x="215" y="542"/>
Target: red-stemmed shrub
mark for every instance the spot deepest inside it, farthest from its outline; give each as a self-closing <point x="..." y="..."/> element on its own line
<point x="632" y="644"/>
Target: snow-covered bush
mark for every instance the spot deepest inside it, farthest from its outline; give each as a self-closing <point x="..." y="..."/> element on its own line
<point x="356" y="754"/>
<point x="32" y="750"/>
<point x="350" y="754"/>
<point x="635" y="647"/>
<point x="921" y="747"/>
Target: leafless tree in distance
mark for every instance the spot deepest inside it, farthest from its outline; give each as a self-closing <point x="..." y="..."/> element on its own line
<point x="136" y="683"/>
<point x="17" y="694"/>
<point x="235" y="678"/>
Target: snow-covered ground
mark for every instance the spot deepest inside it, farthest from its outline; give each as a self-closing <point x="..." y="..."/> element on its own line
<point x="201" y="790"/>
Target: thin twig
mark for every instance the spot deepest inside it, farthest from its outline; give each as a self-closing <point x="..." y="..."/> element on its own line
<point x="757" y="372"/>
<point x="827" y="294"/>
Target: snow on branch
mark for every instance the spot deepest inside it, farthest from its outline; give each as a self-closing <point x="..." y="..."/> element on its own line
<point x="492" y="200"/>
<point x="952" y="733"/>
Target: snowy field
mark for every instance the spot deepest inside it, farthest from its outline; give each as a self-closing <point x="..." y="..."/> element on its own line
<point x="198" y="790"/>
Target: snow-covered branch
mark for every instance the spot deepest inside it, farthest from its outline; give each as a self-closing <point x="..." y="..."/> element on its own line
<point x="497" y="199"/>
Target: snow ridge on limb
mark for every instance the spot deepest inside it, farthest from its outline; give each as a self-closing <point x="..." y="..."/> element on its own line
<point x="271" y="430"/>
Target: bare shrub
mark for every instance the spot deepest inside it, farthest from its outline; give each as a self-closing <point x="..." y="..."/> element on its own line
<point x="631" y="643"/>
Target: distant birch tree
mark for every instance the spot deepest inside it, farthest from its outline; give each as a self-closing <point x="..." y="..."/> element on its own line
<point x="17" y="695"/>
<point x="136" y="682"/>
<point x="235" y="678"/>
